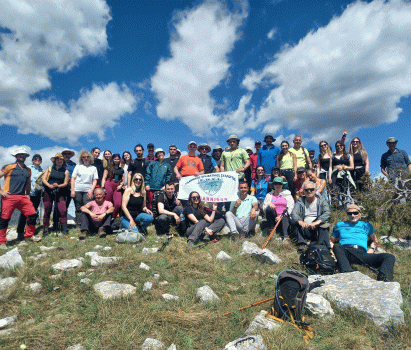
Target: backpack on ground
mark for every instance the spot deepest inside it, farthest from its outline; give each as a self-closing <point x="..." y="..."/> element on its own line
<point x="318" y="260"/>
<point x="154" y="202"/>
<point x="290" y="295"/>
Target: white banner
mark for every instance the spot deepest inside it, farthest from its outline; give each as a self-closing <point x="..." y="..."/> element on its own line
<point x="217" y="187"/>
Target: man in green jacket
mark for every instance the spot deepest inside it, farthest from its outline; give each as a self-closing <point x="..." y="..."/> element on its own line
<point x="310" y="217"/>
<point x="158" y="172"/>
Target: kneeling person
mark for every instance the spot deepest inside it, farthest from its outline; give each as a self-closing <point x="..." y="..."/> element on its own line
<point x="243" y="215"/>
<point x="353" y="236"/>
<point x="96" y="215"/>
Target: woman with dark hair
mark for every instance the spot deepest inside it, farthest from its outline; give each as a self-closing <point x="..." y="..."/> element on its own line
<point x="107" y="155"/>
<point x="199" y="224"/>
<point x="259" y="186"/>
<point x="324" y="169"/>
<point x="341" y="163"/>
<point x="311" y="175"/>
<point x="55" y="181"/>
<point x="126" y="159"/>
<point x="287" y="162"/>
<point x="361" y="162"/>
<point x="113" y="179"/>
<point x="136" y="215"/>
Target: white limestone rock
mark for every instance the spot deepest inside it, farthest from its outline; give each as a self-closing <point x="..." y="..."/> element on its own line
<point x="11" y="259"/>
<point x="207" y="295"/>
<point x="156" y="276"/>
<point x="172" y="347"/>
<point x="85" y="280"/>
<point x="107" y="248"/>
<point x="223" y="256"/>
<point x="261" y="321"/>
<point x="44" y="249"/>
<point x="76" y="347"/>
<point x="163" y="283"/>
<point x="170" y="297"/>
<point x="55" y="277"/>
<point x="319" y="306"/>
<point x="81" y="274"/>
<point x="152" y="344"/>
<point x="250" y="248"/>
<point x="250" y="342"/>
<point x="149" y="250"/>
<point x="35" y="287"/>
<point x="147" y="286"/>
<point x="110" y="289"/>
<point x="6" y="283"/>
<point x="7" y="321"/>
<point x="98" y="246"/>
<point x="67" y="264"/>
<point x="144" y="266"/>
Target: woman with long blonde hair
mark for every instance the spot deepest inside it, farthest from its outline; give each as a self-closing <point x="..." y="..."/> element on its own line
<point x="361" y="162"/>
<point x="324" y="170"/>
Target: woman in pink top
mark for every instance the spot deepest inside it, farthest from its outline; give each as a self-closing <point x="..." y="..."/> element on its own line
<point x="278" y="202"/>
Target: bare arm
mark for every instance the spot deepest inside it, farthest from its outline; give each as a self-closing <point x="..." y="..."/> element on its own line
<point x="222" y="168"/>
<point x="176" y="171"/>
<point x="103" y="181"/>
<point x="66" y="179"/>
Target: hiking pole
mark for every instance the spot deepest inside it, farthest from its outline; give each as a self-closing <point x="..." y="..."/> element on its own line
<point x="251" y="305"/>
<point x="166" y="243"/>
<point x="272" y="232"/>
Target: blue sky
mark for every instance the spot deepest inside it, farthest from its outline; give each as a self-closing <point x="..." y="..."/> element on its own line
<point x="117" y="73"/>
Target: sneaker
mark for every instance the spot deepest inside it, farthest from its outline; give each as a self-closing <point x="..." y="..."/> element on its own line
<point x="101" y="232"/>
<point x="206" y="236"/>
<point x="83" y="234"/>
<point x="45" y="232"/>
<point x="191" y="244"/>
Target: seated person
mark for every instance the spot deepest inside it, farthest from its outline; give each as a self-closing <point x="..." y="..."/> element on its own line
<point x="136" y="215"/>
<point x="167" y="210"/>
<point x="299" y="179"/>
<point x="279" y="202"/>
<point x="243" y="215"/>
<point x="352" y="236"/>
<point x="310" y="216"/>
<point x="199" y="224"/>
<point x="96" y="215"/>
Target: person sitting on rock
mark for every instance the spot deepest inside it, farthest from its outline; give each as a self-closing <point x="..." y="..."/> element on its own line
<point x="243" y="215"/>
<point x="96" y="215"/>
<point x="167" y="210"/>
<point x="309" y="218"/>
<point x="352" y="236"/>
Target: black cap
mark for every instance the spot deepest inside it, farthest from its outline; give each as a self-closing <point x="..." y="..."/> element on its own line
<point x="36" y="156"/>
<point x="150" y="145"/>
<point x="257" y="143"/>
<point x="300" y="170"/>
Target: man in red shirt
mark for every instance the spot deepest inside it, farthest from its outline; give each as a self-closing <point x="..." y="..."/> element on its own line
<point x="254" y="158"/>
<point x="189" y="164"/>
<point x="16" y="194"/>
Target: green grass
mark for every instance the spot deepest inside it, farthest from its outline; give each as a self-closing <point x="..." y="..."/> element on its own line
<point x="56" y="319"/>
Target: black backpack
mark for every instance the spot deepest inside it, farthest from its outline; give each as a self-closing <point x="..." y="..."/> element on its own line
<point x="318" y="260"/>
<point x="290" y="295"/>
<point x="154" y="202"/>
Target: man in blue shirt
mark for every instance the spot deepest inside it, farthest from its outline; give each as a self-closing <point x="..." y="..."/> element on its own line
<point x="210" y="165"/>
<point x="352" y="236"/>
<point x="267" y="155"/>
<point x="394" y="162"/>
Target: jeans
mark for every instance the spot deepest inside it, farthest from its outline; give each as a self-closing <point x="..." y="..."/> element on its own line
<point x="285" y="222"/>
<point x="92" y="226"/>
<point x="143" y="219"/>
<point x="195" y="231"/>
<point x="162" y="222"/>
<point x="240" y="225"/>
<point x="79" y="200"/>
<point x="319" y="235"/>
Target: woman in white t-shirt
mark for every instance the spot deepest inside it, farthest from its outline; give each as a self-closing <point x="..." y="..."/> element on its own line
<point x="83" y="182"/>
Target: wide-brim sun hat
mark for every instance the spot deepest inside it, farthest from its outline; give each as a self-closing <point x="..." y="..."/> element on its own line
<point x="20" y="150"/>
<point x="279" y="180"/>
<point x="233" y="137"/>
<point x="158" y="150"/>
<point x="201" y="145"/>
<point x="58" y="155"/>
<point x="68" y="151"/>
<point x="192" y="142"/>
<point x="217" y="148"/>
<point x="269" y="135"/>
<point x="392" y="140"/>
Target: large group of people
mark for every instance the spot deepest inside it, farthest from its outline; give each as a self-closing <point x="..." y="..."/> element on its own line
<point x="280" y="184"/>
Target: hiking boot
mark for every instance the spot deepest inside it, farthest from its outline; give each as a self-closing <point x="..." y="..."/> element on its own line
<point x="45" y="232"/>
<point x="13" y="242"/>
<point x="191" y="244"/>
<point x="206" y="236"/>
<point x="83" y="234"/>
<point x="383" y="278"/>
<point x="101" y="232"/>
<point x="34" y="239"/>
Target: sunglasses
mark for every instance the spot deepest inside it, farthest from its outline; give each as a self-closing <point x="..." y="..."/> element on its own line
<point x="355" y="141"/>
<point x="85" y="157"/>
<point x="353" y="213"/>
<point x="340" y="146"/>
<point x="309" y="189"/>
<point x="203" y="149"/>
<point x="195" y="197"/>
<point x="323" y="145"/>
<point x="36" y="159"/>
<point x="137" y="179"/>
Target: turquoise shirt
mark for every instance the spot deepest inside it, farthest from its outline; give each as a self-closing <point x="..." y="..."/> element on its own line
<point x="353" y="233"/>
<point x="245" y="207"/>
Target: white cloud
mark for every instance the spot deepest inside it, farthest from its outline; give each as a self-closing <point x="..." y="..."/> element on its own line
<point x="147" y="108"/>
<point x="271" y="34"/>
<point x="46" y="35"/>
<point x="351" y="72"/>
<point x="200" y="43"/>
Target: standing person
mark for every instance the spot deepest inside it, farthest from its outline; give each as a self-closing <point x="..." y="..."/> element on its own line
<point x="310" y="217"/>
<point x="248" y="172"/>
<point x="314" y="161"/>
<point x="259" y="186"/>
<point x="361" y="162"/>
<point x="287" y="162"/>
<point x="210" y="165"/>
<point x="35" y="195"/>
<point x="394" y="162"/>
<point x="136" y="215"/>
<point x="352" y="236"/>
<point x="150" y="150"/>
<point x="157" y="174"/>
<point x="70" y="165"/>
<point x="139" y="165"/>
<point x="189" y="164"/>
<point x="302" y="155"/>
<point x="15" y="194"/>
<point x="106" y="158"/>
<point x="96" y="215"/>
<point x="98" y="164"/>
<point x="341" y="163"/>
<point x="279" y="202"/>
<point x="254" y="159"/>
<point x="217" y="152"/>
<point x="243" y="215"/>
<point x="172" y="160"/>
<point x="324" y="169"/>
<point x="126" y="160"/>
<point x="55" y="182"/>
<point x="298" y="184"/>
<point x="199" y="224"/>
<point x="267" y="156"/>
<point x="234" y="159"/>
<point x="167" y="211"/>
<point x="113" y="179"/>
<point x="83" y="182"/>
